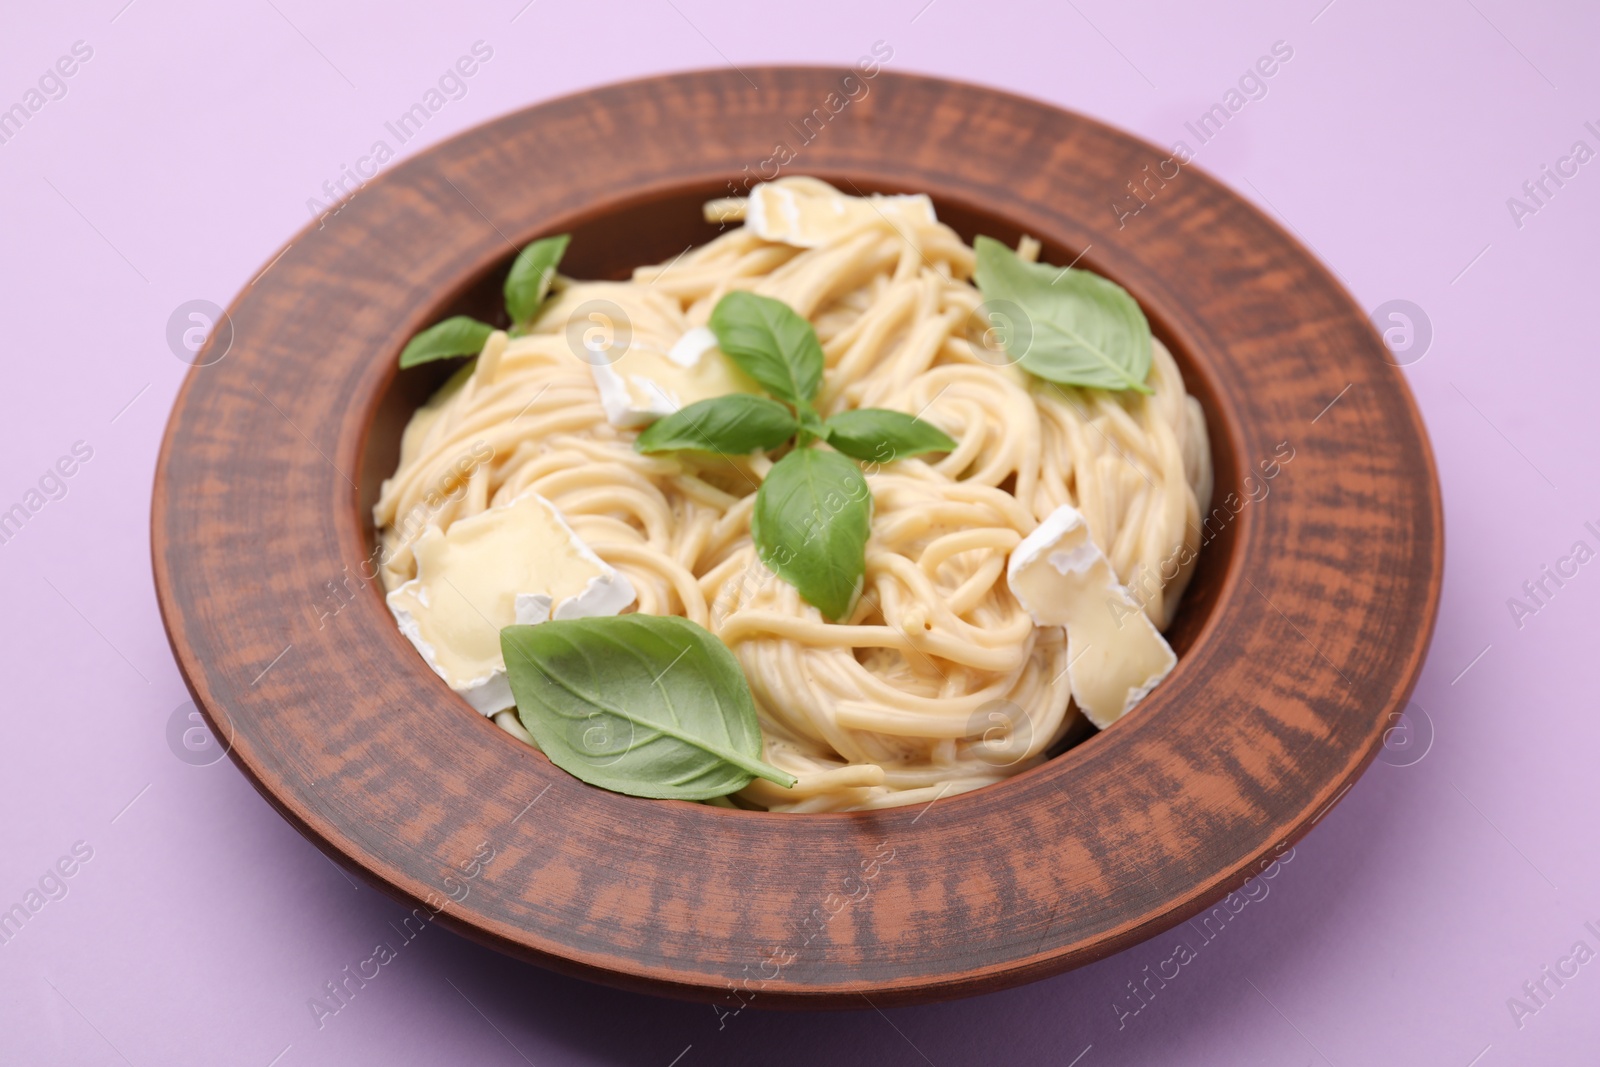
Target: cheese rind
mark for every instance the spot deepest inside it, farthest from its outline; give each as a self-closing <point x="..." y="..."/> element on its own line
<point x="643" y="383"/>
<point x="517" y="562"/>
<point x="1115" y="654"/>
<point x="688" y="349"/>
<point x="807" y="213"/>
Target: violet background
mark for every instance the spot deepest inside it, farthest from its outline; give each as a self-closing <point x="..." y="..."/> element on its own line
<point x="182" y="159"/>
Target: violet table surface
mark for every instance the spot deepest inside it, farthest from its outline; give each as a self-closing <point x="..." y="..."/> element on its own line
<point x="182" y="157"/>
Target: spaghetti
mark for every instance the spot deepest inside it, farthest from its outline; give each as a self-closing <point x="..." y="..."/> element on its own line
<point x="896" y="703"/>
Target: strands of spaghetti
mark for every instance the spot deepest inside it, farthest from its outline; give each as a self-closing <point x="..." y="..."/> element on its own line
<point x="889" y="705"/>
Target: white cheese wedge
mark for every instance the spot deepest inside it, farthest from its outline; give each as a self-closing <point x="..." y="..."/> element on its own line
<point x="643" y="383"/>
<point x="808" y="213"/>
<point x="518" y="562"/>
<point x="1115" y="654"/>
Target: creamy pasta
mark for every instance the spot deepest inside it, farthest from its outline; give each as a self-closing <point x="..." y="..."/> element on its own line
<point x="893" y="704"/>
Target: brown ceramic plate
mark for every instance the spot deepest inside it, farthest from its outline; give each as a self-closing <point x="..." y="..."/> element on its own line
<point x="1303" y="632"/>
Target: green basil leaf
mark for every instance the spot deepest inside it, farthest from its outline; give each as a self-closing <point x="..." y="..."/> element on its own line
<point x="530" y="277"/>
<point x="811" y="521"/>
<point x="883" y="436"/>
<point x="1084" y="329"/>
<point x="460" y="335"/>
<point x="770" y="343"/>
<point x="734" y="424"/>
<point x="648" y="705"/>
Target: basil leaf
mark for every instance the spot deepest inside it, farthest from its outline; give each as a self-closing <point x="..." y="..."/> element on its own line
<point x="460" y="335"/>
<point x="770" y="343"/>
<point x="734" y="424"/>
<point x="530" y="277"/>
<point x="811" y="521"/>
<point x="883" y="436"/>
<point x="1086" y="330"/>
<point x="648" y="705"/>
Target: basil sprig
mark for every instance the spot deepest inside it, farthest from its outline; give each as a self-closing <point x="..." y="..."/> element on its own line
<point x="875" y="434"/>
<point x="528" y="282"/>
<point x="736" y="423"/>
<point x="813" y="511"/>
<point x="1085" y="330"/>
<point x="811" y="521"/>
<point x="771" y="344"/>
<point x="459" y="335"/>
<point x="526" y="287"/>
<point x="648" y="705"/>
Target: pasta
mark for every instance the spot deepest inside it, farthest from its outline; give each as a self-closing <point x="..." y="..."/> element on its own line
<point x="892" y="704"/>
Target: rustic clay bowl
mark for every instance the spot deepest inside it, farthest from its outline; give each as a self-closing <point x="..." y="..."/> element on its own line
<point x="1301" y="636"/>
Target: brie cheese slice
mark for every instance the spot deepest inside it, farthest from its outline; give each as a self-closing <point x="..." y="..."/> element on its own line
<point x="518" y="562"/>
<point x="808" y="213"/>
<point x="1115" y="654"/>
<point x="642" y="383"/>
